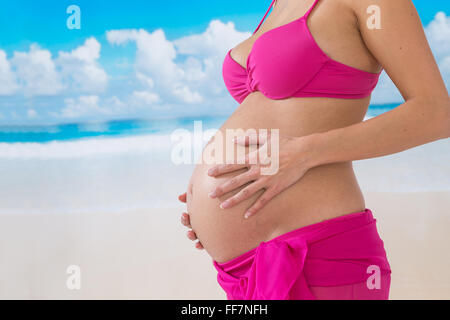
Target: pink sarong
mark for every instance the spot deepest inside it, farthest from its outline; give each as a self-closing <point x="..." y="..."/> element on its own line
<point x="340" y="258"/>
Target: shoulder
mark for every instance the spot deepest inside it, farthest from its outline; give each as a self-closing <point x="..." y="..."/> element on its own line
<point x="388" y="8"/>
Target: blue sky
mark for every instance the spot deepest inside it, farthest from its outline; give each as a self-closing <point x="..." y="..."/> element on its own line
<point x="117" y="84"/>
<point x="26" y="21"/>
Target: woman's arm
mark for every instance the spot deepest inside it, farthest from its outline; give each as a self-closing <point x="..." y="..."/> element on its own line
<point x="402" y="49"/>
<point x="416" y="122"/>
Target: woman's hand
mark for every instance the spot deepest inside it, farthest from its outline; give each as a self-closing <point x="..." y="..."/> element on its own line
<point x="186" y="221"/>
<point x="292" y="156"/>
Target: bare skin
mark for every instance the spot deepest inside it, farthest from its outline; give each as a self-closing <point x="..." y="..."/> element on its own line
<point x="320" y="136"/>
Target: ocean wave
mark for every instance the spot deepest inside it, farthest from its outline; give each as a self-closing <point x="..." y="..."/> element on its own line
<point x="86" y="147"/>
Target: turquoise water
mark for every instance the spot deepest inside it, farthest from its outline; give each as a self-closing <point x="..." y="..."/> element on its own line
<point x="74" y="131"/>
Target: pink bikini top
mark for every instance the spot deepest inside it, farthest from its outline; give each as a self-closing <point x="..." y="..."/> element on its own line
<point x="287" y="62"/>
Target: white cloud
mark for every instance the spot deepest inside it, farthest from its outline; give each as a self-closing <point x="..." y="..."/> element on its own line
<point x="438" y="34"/>
<point x="167" y="76"/>
<point x="8" y="81"/>
<point x="185" y="94"/>
<point x="205" y="53"/>
<point x="92" y="106"/>
<point x="145" y="98"/>
<point x="79" y="68"/>
<point x="31" y="113"/>
<point x="82" y="106"/>
<point x="217" y="39"/>
<point x="37" y="72"/>
<point x="146" y="81"/>
<point x="155" y="54"/>
<point x="155" y="63"/>
<point x="115" y="102"/>
<point x="186" y="70"/>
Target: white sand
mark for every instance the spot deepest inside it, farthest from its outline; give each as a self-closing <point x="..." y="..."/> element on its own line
<point x="415" y="230"/>
<point x="145" y="254"/>
<point x="131" y="255"/>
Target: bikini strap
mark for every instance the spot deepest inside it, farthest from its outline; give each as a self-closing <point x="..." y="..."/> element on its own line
<point x="310" y="9"/>
<point x="267" y="12"/>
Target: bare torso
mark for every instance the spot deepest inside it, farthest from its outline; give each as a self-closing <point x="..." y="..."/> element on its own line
<point x="324" y="192"/>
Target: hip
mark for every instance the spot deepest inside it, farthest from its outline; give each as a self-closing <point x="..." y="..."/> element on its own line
<point x="340" y="258"/>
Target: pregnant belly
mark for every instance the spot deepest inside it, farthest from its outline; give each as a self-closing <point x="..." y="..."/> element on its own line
<point x="324" y="192"/>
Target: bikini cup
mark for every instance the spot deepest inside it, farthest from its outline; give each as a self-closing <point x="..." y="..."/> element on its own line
<point x="287" y="62"/>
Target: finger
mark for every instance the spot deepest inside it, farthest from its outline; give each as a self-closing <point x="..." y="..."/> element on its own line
<point x="191" y="235"/>
<point x="198" y="245"/>
<point x="251" y="158"/>
<point x="251" y="139"/>
<point x="242" y="195"/>
<point x="186" y="220"/>
<point x="225" y="168"/>
<point x="236" y="182"/>
<point x="182" y="197"/>
<point x="261" y="202"/>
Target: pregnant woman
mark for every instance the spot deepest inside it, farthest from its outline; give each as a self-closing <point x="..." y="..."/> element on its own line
<point x="303" y="231"/>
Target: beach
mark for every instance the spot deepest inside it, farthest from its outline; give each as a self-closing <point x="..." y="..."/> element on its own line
<point x="414" y="227"/>
<point x="109" y="207"/>
<point x="144" y="254"/>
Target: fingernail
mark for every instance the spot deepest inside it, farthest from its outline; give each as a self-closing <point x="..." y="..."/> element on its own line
<point x="211" y="171"/>
<point x="247" y="215"/>
<point x="224" y="205"/>
<point x="212" y="194"/>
